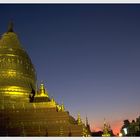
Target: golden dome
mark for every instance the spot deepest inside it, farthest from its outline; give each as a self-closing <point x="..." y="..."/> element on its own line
<point x="17" y="73"/>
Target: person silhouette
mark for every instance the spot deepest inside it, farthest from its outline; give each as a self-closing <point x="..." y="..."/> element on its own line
<point x="32" y="94"/>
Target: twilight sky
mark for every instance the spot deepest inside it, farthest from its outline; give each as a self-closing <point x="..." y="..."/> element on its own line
<point x="87" y="55"/>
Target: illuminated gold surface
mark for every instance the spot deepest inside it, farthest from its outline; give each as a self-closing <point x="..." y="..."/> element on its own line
<point x="79" y="121"/>
<point x="106" y="130"/>
<point x="17" y="73"/>
<point x="42" y="116"/>
<point x="62" y="107"/>
<point x="42" y="91"/>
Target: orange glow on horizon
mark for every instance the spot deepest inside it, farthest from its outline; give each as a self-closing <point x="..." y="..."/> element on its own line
<point x="115" y="126"/>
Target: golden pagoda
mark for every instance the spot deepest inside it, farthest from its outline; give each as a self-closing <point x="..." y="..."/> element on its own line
<point x="24" y="109"/>
<point x="17" y="73"/>
<point x="106" y="130"/>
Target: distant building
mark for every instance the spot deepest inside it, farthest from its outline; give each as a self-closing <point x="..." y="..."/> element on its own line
<point x="131" y="128"/>
<point x="24" y="109"/>
<point x="107" y="131"/>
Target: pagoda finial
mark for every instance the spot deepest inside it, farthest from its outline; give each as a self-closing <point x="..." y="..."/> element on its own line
<point x="42" y="82"/>
<point x="10" y="26"/>
<point x="104" y="121"/>
<point x="86" y="121"/>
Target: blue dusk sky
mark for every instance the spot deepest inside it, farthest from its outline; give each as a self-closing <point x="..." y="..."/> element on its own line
<point x="87" y="55"/>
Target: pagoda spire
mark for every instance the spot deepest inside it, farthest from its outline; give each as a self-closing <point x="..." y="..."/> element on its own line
<point x="62" y="107"/>
<point x="42" y="91"/>
<point x="10" y="26"/>
<point x="104" y="121"/>
<point x="105" y="130"/>
<point x="79" y="121"/>
<point x="88" y="127"/>
<point x="86" y="121"/>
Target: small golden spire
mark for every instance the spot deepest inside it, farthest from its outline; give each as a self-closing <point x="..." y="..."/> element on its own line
<point x="62" y="107"/>
<point x="105" y="129"/>
<point x="52" y="100"/>
<point x="79" y="121"/>
<point x="86" y="121"/>
<point x="42" y="91"/>
<point x="10" y="27"/>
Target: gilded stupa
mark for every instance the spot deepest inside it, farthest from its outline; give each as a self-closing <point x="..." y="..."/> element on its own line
<point x="17" y="73"/>
<point x="24" y="109"/>
<point x="106" y="130"/>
